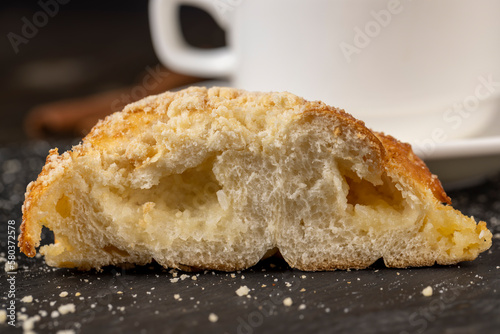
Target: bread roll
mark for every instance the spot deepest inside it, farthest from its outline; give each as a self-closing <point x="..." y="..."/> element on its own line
<point x="221" y="178"/>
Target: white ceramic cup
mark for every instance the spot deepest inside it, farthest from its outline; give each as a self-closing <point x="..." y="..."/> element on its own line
<point x="418" y="69"/>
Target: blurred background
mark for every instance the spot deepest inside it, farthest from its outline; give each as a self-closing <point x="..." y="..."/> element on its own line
<point x="90" y="57"/>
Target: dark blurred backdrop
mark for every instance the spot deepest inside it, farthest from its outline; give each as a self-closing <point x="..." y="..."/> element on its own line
<point x="81" y="47"/>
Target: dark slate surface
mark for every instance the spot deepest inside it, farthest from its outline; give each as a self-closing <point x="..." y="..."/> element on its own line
<point x="466" y="297"/>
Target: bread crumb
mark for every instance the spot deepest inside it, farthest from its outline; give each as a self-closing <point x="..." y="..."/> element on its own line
<point x="10" y="266"/>
<point x="29" y="323"/>
<point x="184" y="276"/>
<point x="233" y="276"/>
<point x="263" y="286"/>
<point x="212" y="317"/>
<point x="174" y="280"/>
<point x="52" y="303"/>
<point x="302" y="306"/>
<point x="63" y="294"/>
<point x="177" y="296"/>
<point x="302" y="290"/>
<point x="3" y="316"/>
<point x="303" y="276"/>
<point x="427" y="292"/>
<point x="66" y="331"/>
<point x="54" y="314"/>
<point x="194" y="278"/>
<point x="78" y="294"/>
<point x="242" y="291"/>
<point x="27" y="299"/>
<point x="287" y="301"/>
<point x="119" y="292"/>
<point x="65" y="309"/>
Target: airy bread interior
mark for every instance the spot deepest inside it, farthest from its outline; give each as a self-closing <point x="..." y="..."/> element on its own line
<point x="222" y="178"/>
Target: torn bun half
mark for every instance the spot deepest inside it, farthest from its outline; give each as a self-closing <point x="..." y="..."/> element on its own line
<point x="220" y="178"/>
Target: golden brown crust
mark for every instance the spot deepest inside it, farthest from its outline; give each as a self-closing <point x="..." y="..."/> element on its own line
<point x="396" y="156"/>
<point x="315" y="108"/>
<point x="35" y="189"/>
<point x="400" y="158"/>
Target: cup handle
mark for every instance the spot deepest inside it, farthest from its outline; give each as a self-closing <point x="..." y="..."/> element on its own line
<point x="172" y="49"/>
